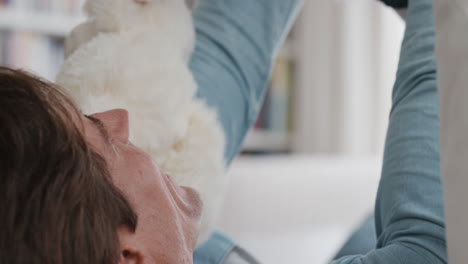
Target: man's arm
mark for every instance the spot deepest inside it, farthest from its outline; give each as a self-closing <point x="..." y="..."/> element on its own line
<point x="409" y="209"/>
<point x="236" y="44"/>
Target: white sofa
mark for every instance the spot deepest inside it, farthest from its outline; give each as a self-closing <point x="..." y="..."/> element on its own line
<point x="298" y="209"/>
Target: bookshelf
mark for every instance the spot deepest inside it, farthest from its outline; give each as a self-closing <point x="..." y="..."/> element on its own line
<point x="57" y="25"/>
<point x="341" y="63"/>
<point x="266" y="141"/>
<point x="32" y="33"/>
<point x="330" y="88"/>
<point x="272" y="131"/>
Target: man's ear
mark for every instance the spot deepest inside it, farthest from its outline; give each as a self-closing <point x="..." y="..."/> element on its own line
<point x="130" y="252"/>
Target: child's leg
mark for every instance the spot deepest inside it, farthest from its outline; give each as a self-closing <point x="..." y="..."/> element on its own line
<point x="362" y="241"/>
<point x="236" y="42"/>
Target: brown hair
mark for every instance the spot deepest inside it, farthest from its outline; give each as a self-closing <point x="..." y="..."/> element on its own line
<point x="57" y="202"/>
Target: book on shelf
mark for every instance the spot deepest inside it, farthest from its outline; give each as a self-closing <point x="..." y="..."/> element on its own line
<point x="42" y="53"/>
<point x="276" y="111"/>
<point x="274" y="122"/>
<point x="39" y="54"/>
<point x="36" y="45"/>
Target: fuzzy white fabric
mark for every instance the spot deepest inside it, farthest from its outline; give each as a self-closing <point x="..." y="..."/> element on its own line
<point x="133" y="54"/>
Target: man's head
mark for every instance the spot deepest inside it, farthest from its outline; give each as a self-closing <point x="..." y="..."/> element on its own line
<point x="71" y="187"/>
<point x="57" y="200"/>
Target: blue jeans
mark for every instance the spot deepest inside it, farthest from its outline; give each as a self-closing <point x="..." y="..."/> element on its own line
<point x="236" y="44"/>
<point x="362" y="241"/>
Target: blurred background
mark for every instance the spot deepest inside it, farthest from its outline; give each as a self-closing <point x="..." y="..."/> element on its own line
<point x="310" y="167"/>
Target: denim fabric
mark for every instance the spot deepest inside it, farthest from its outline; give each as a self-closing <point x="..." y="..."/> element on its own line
<point x="232" y="63"/>
<point x="361" y="241"/>
<point x="215" y="250"/>
<point x="237" y="41"/>
<point x="409" y="216"/>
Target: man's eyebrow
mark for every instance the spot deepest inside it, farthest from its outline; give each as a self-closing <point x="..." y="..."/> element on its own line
<point x="100" y="126"/>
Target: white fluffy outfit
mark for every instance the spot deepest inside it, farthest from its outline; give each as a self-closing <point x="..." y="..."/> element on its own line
<point x="133" y="54"/>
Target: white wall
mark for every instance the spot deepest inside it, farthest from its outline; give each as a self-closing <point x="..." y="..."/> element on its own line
<point x="452" y="62"/>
